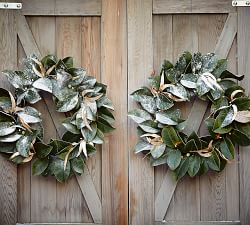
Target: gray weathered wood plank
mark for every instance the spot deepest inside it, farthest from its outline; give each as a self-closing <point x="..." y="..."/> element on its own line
<point x="227" y="36"/>
<point x="244" y="68"/>
<point x="192" y="6"/>
<point x="61" y="8"/>
<point x="198" y="223"/>
<point x="140" y="66"/>
<point x="114" y="74"/>
<point x="8" y="171"/>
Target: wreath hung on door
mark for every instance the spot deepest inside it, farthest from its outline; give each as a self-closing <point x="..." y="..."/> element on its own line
<point x="78" y="95"/>
<point x="161" y="128"/>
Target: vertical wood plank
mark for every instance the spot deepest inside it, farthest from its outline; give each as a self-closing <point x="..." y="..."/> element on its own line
<point x="162" y="49"/>
<point x="212" y="185"/>
<point x="140" y="65"/>
<point x="43" y="190"/>
<point x="71" y="206"/>
<point x="114" y="74"/>
<point x="232" y="169"/>
<point x="8" y="171"/>
<point x="186" y="200"/>
<point x="91" y="61"/>
<point x="23" y="172"/>
<point x="244" y="68"/>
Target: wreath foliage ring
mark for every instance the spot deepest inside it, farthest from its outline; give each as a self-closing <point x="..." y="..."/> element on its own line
<point x="78" y="95"/>
<point x="161" y="128"/>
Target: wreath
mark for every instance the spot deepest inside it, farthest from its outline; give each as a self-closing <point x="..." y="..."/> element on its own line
<point x="74" y="93"/>
<point x="161" y="128"/>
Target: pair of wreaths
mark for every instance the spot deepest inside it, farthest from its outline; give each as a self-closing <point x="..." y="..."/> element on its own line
<point x="74" y="93"/>
<point x="161" y="128"/>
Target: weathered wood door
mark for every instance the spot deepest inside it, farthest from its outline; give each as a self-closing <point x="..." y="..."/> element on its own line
<point x="121" y="42"/>
<point x="159" y="30"/>
<point x="75" y="28"/>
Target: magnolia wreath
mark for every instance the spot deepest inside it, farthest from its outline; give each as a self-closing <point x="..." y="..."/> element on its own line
<point x="162" y="130"/>
<point x="78" y="95"/>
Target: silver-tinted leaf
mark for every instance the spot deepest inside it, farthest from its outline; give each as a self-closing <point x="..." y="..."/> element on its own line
<point x="178" y="91"/>
<point x="142" y="146"/>
<point x="68" y="104"/>
<point x="139" y="115"/>
<point x="157" y="151"/>
<point x="6" y="128"/>
<point x="43" y="84"/>
<point x="23" y="145"/>
<point x="149" y="126"/>
<point x="169" y="117"/>
<point x="189" y="80"/>
<point x="29" y="115"/>
<point x="11" y="138"/>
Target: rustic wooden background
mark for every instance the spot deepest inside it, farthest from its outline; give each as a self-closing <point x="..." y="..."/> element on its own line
<point x="121" y="42"/>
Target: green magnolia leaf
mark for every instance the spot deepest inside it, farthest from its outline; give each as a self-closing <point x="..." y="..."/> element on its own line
<point x="32" y="96"/>
<point x="5" y="101"/>
<point x="182" y="169"/>
<point x="227" y="148"/>
<point x="178" y="91"/>
<point x="191" y="146"/>
<point x="89" y="134"/>
<point x="49" y="61"/>
<point x="99" y="138"/>
<point x="226" y="117"/>
<point x="169" y="117"/>
<point x="163" y="102"/>
<point x="242" y="103"/>
<point x="157" y="151"/>
<point x="6" y="128"/>
<point x="210" y="124"/>
<point x="29" y="115"/>
<point x="203" y="167"/>
<point x="8" y="147"/>
<point x="171" y="137"/>
<point x="68" y="61"/>
<point x="58" y="170"/>
<point x="142" y="146"/>
<point x="69" y="137"/>
<point x="173" y="158"/>
<point x="149" y="126"/>
<point x="11" y="138"/>
<point x="78" y="165"/>
<point x="214" y="161"/>
<point x="42" y="150"/>
<point x="194" y="165"/>
<point x="227" y="74"/>
<point x="240" y="138"/>
<point x="23" y="145"/>
<point x="39" y="166"/>
<point x="139" y="115"/>
<point x="189" y="80"/>
<point x="220" y="67"/>
<point x="104" y="126"/>
<point x="160" y="161"/>
<point x="68" y="104"/>
<point x="70" y="127"/>
<point x="154" y="81"/>
<point x="43" y="84"/>
<point x="5" y="117"/>
<point x="105" y="102"/>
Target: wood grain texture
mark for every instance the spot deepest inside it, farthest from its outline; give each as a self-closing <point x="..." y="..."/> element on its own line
<point x="24" y="171"/>
<point x="91" y="61"/>
<point x="244" y="68"/>
<point x="198" y="223"/>
<point x="42" y="190"/>
<point x="61" y="8"/>
<point x="8" y="171"/>
<point x="162" y="49"/>
<point x="114" y="74"/>
<point x="192" y="6"/>
<point x="140" y="66"/>
<point x="212" y="185"/>
<point x="70" y="197"/>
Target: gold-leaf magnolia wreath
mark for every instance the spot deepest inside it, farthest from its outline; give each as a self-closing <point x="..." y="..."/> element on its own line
<point x="161" y="129"/>
<point x="75" y="93"/>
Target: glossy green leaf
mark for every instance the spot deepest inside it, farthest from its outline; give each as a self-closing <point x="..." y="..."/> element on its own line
<point x="139" y="115"/>
<point x="194" y="165"/>
<point x="242" y="103"/>
<point x="182" y="169"/>
<point x="214" y="161"/>
<point x="170" y="137"/>
<point x="78" y="165"/>
<point x="39" y="166"/>
<point x="58" y="170"/>
<point x="173" y="158"/>
<point x="227" y="148"/>
<point x="42" y="150"/>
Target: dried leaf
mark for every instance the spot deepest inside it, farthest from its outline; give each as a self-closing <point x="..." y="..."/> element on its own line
<point x="243" y="116"/>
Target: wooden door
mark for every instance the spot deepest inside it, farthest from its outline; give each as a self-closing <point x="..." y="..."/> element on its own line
<point x="121" y="42"/>
<point x="69" y="28"/>
<point x="159" y="30"/>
